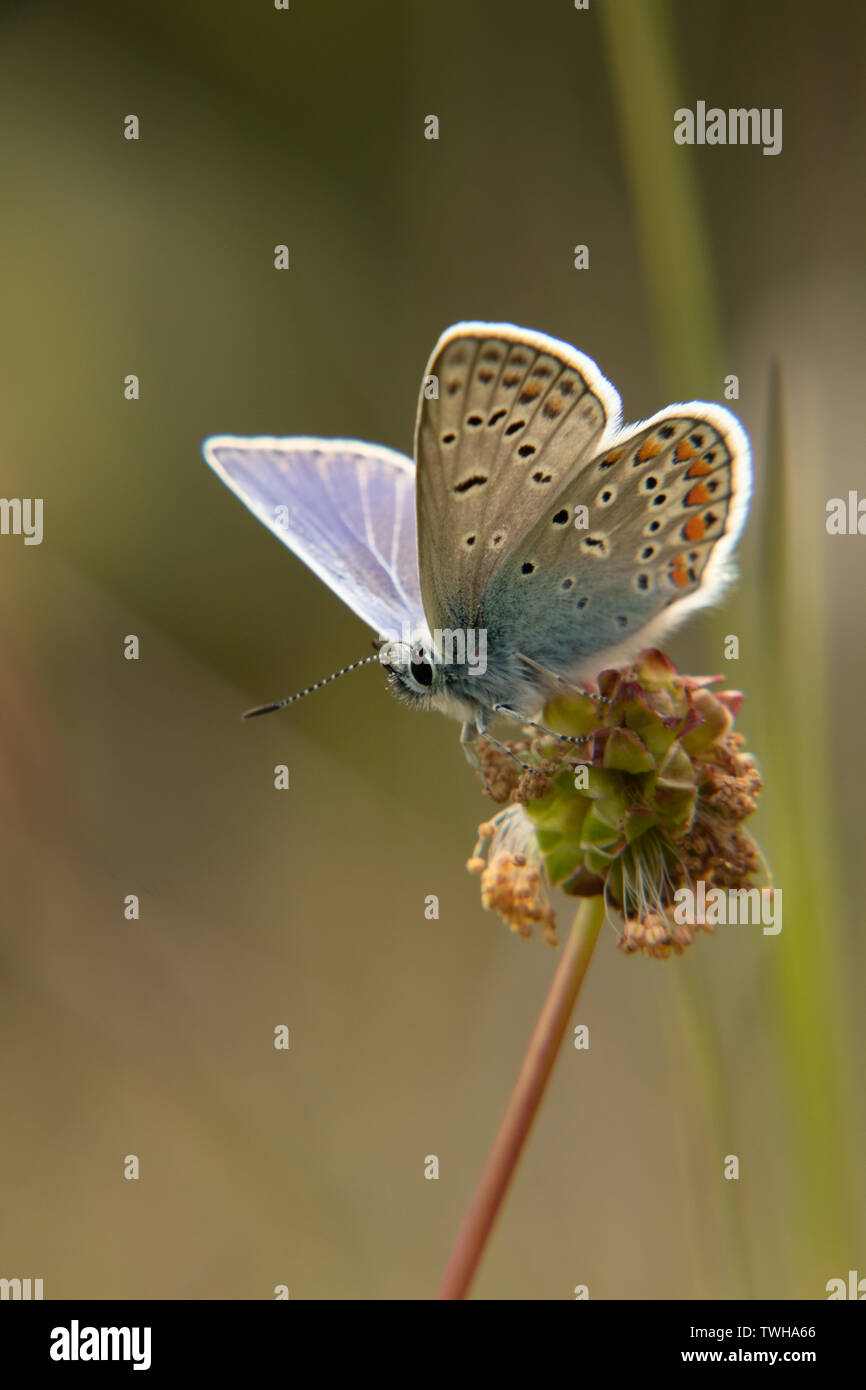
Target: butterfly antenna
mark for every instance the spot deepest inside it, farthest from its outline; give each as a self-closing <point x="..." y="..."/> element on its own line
<point x="290" y="699"/>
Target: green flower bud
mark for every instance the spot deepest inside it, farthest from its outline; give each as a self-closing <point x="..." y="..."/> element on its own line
<point x="649" y="795"/>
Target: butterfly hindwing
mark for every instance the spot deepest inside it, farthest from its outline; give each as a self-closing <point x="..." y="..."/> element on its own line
<point x="345" y="508"/>
<point x="638" y="538"/>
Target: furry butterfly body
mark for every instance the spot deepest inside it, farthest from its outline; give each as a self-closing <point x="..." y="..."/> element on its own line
<point x="531" y="524"/>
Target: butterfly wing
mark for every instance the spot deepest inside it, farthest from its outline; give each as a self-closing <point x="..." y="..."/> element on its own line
<point x="636" y="540"/>
<point x="346" y="509"/>
<point x="505" y="419"/>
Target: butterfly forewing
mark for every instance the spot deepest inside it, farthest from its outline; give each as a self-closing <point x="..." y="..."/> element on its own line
<point x="506" y="418"/>
<point x="347" y="510"/>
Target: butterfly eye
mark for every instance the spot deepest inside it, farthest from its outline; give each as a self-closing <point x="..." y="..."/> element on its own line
<point x="422" y="672"/>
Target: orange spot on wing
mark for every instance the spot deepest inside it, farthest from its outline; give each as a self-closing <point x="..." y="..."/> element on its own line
<point x="694" y="528"/>
<point x="684" y="450"/>
<point x="699" y="469"/>
<point x="679" y="575"/>
<point x="614" y="457"/>
<point x="648" y="450"/>
<point x="530" y="391"/>
<point x="698" y="496"/>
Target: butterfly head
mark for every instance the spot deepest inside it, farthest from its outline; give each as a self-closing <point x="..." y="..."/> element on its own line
<point x="420" y="675"/>
<point x="414" y="674"/>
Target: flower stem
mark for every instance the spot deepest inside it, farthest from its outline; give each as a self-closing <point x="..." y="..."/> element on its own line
<point x="524" y="1102"/>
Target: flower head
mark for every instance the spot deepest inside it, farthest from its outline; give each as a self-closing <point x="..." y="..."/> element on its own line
<point x="649" y="795"/>
<point x="513" y="875"/>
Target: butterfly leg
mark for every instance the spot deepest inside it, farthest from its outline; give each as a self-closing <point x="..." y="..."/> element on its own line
<point x="515" y="714"/>
<point x="553" y="678"/>
<point x="467" y="743"/>
<point x="481" y="728"/>
<point x="468" y="734"/>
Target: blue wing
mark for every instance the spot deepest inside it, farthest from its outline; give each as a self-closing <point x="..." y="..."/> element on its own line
<point x="345" y="508"/>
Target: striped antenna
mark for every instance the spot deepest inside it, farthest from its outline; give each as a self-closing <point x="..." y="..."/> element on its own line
<point x="290" y="699"/>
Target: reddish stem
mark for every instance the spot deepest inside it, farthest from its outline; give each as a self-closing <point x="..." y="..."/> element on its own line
<point x="525" y="1100"/>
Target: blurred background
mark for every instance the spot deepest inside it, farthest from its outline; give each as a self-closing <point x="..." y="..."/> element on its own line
<point x="306" y="907"/>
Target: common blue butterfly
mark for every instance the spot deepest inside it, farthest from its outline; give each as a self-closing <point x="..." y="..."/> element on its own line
<point x="532" y="525"/>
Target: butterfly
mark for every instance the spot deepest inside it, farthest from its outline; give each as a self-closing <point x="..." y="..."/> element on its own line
<point x="534" y="540"/>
